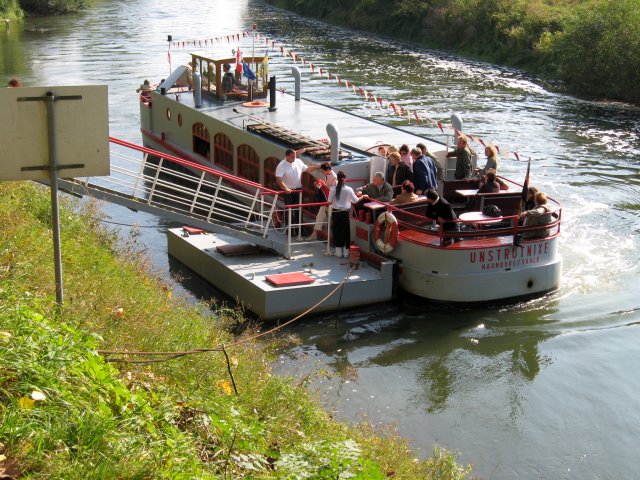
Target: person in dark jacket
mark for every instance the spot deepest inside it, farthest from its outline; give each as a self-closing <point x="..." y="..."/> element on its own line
<point x="489" y="183"/>
<point x="441" y="211"/>
<point x="425" y="174"/>
<point x="397" y="171"/>
<point x="463" y="159"/>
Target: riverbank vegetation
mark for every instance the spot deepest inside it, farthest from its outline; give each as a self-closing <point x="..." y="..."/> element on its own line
<point x="593" y="46"/>
<point x="66" y="412"/>
<point x="15" y="9"/>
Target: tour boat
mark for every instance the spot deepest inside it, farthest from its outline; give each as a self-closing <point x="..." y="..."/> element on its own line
<point x="245" y="132"/>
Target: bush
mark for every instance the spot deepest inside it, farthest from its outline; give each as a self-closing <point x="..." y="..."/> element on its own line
<point x="599" y="49"/>
<point x="52" y="7"/>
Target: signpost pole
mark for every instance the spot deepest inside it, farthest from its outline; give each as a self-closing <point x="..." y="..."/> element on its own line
<point x="53" y="174"/>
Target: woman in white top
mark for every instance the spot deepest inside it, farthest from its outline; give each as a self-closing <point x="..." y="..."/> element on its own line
<point x="341" y="197"/>
<point x="322" y="194"/>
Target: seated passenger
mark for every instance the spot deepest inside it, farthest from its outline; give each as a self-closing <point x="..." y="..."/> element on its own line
<point x="531" y="195"/>
<point x="492" y="160"/>
<point x="406" y="196"/>
<point x="376" y="190"/>
<point x="489" y="184"/>
<point x="538" y="216"/>
<point x="442" y="212"/>
<point x="397" y="171"/>
<point x="146" y="87"/>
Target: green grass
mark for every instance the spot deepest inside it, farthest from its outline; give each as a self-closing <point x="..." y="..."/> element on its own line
<point x="178" y="419"/>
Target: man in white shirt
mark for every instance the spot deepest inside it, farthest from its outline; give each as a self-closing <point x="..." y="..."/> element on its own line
<point x="289" y="177"/>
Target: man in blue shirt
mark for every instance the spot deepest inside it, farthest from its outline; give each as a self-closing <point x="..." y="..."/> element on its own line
<point x="425" y="173"/>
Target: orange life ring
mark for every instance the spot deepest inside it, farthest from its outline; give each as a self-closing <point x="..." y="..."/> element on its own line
<point x="386" y="238"/>
<point x="255" y="104"/>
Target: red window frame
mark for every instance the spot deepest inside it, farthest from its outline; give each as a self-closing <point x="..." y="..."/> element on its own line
<point x="248" y="163"/>
<point x="270" y="165"/>
<point x="223" y="152"/>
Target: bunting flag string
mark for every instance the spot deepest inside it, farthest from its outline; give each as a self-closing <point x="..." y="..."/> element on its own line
<point x="378" y="102"/>
<point x="199" y="42"/>
<point x="398" y="110"/>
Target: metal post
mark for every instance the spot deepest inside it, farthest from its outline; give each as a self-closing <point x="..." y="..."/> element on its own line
<point x="329" y="213"/>
<point x="289" y="233"/>
<point x="53" y="176"/>
<point x="299" y="216"/>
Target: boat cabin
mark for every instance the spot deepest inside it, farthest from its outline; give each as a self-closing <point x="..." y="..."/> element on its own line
<point x="212" y="74"/>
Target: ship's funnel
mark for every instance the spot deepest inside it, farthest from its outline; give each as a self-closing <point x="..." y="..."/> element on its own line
<point x="334" y="138"/>
<point x="197" y="89"/>
<point x="272" y="94"/>
<point x="295" y="71"/>
<point x="456" y="122"/>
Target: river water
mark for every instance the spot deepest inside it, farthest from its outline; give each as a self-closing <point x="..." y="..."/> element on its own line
<point x="540" y="389"/>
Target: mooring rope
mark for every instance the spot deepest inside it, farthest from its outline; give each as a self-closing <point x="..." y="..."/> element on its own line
<point x="177" y="354"/>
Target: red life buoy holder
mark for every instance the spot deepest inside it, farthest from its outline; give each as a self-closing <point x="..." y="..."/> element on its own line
<point x="386" y="236"/>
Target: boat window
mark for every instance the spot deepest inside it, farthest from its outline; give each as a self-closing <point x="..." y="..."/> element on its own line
<point x="201" y="142"/>
<point x="248" y="163"/>
<point x="223" y="152"/>
<point x="270" y="165"/>
<point x="168" y="114"/>
<point x="179" y="119"/>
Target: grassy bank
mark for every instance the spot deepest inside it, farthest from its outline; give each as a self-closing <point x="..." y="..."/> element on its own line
<point x="66" y="413"/>
<point x="593" y="46"/>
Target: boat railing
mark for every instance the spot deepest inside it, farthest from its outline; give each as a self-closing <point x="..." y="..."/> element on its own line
<point x="295" y="227"/>
<point x="159" y="179"/>
<point x="505" y="226"/>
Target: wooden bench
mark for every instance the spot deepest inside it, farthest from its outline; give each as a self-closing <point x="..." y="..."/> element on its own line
<point x="449" y="188"/>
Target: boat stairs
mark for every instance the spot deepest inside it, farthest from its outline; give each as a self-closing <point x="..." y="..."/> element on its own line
<point x="235" y="235"/>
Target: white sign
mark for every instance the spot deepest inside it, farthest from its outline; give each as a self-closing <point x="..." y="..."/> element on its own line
<point x="81" y="132"/>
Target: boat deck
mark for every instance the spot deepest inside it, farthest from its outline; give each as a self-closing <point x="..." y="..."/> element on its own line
<point x="310" y="118"/>
<point x="243" y="275"/>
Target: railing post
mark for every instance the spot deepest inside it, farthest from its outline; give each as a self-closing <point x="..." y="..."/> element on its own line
<point x="155" y="181"/>
<point x="289" y="228"/>
<point x="299" y="215"/>
<point x="215" y="198"/>
<point x="270" y="218"/>
<point x="139" y="176"/>
<point x="329" y="213"/>
<point x="253" y="204"/>
<point x="195" y="196"/>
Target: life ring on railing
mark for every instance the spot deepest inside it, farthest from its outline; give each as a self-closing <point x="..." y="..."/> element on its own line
<point x="386" y="237"/>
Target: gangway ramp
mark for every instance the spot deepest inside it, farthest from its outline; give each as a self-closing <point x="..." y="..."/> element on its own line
<point x="144" y="179"/>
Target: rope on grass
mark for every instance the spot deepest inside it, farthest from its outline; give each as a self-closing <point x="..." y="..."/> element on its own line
<point x="172" y="355"/>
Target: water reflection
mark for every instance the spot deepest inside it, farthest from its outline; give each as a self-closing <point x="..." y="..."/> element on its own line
<point x="449" y="351"/>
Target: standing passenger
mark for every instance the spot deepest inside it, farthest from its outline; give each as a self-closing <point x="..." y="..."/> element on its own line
<point x="425" y="151"/>
<point x="289" y="177"/>
<point x="397" y="171"/>
<point x="341" y="197"/>
<point x="425" y="174"/>
<point x="322" y="189"/>
<point x="405" y="156"/>
<point x="463" y="159"/>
